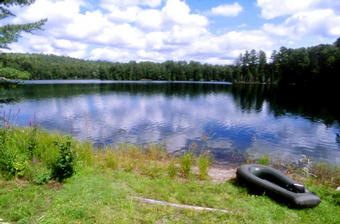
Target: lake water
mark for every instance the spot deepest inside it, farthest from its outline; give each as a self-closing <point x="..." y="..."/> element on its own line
<point x="231" y="121"/>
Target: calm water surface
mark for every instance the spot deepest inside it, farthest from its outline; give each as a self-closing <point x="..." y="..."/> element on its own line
<point x="229" y="120"/>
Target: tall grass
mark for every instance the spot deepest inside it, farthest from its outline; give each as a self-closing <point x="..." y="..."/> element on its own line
<point x="203" y="162"/>
<point x="185" y="164"/>
<point x="38" y="156"/>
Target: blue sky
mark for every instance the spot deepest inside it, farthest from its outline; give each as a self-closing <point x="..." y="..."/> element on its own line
<point x="157" y="30"/>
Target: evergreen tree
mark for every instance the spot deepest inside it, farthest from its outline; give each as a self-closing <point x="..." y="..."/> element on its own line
<point x="11" y="32"/>
<point x="262" y="66"/>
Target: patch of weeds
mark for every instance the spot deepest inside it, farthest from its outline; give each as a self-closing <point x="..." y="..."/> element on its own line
<point x="186" y="164"/>
<point x="130" y="165"/>
<point x="264" y="160"/>
<point x="203" y="163"/>
<point x="153" y="170"/>
<point x="111" y="160"/>
<point x="155" y="152"/>
<point x="42" y="176"/>
<point x="172" y="169"/>
<point x="325" y="174"/>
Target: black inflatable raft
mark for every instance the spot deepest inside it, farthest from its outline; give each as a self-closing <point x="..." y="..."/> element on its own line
<point x="277" y="185"/>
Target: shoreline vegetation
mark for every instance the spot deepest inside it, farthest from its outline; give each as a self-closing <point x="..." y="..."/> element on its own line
<point x="313" y="66"/>
<point x="53" y="178"/>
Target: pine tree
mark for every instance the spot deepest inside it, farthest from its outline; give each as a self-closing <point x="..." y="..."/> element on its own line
<point x="11" y="32"/>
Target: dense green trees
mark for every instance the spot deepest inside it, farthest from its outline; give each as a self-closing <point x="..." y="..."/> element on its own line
<point x="252" y="67"/>
<point x="304" y="66"/>
<point x="11" y="73"/>
<point x="54" y="67"/>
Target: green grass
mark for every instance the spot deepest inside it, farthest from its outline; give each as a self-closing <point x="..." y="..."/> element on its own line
<point x="104" y="183"/>
<point x="104" y="196"/>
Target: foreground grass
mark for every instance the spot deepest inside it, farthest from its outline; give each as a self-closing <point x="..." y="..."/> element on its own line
<point x="104" y="196"/>
<point x="104" y="183"/>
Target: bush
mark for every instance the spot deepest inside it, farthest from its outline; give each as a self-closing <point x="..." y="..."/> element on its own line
<point x="63" y="167"/>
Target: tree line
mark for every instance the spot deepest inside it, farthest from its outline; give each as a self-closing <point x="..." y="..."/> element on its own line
<point x="55" y="67"/>
<point x="303" y="66"/>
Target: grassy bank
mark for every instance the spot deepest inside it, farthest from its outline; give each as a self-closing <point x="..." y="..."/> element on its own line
<point x="97" y="187"/>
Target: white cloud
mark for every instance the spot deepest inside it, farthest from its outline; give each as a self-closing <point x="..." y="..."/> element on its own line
<point x="322" y="22"/>
<point x="144" y="55"/>
<point x="131" y="30"/>
<point x="107" y="4"/>
<point x="274" y="8"/>
<point x="150" y="19"/>
<point x="227" y="10"/>
<point x="123" y="15"/>
<point x="121" y="35"/>
<point x="86" y="25"/>
<point x="178" y="12"/>
<point x="111" y="54"/>
<point x="180" y="35"/>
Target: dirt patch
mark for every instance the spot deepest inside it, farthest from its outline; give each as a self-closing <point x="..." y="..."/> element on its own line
<point x="55" y="185"/>
<point x="220" y="175"/>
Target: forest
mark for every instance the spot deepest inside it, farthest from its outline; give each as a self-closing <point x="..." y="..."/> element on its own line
<point x="303" y="66"/>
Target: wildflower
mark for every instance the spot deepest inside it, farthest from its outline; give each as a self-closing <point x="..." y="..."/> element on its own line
<point x="34" y="160"/>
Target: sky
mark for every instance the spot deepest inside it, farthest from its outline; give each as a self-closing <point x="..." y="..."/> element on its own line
<point x="208" y="31"/>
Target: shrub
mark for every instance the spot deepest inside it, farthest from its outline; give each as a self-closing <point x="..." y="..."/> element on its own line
<point x="63" y="167"/>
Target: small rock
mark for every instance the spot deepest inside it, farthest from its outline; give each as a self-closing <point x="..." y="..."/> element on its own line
<point x="338" y="189"/>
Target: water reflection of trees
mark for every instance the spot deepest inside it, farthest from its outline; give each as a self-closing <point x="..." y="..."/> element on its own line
<point x="70" y="90"/>
<point x="314" y="104"/>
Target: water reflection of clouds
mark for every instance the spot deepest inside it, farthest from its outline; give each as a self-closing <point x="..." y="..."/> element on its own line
<point x="176" y="121"/>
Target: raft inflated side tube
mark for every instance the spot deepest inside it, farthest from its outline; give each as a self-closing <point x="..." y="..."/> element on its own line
<point x="275" y="184"/>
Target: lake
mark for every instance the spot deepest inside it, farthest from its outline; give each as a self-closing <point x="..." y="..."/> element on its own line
<point x="232" y="121"/>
